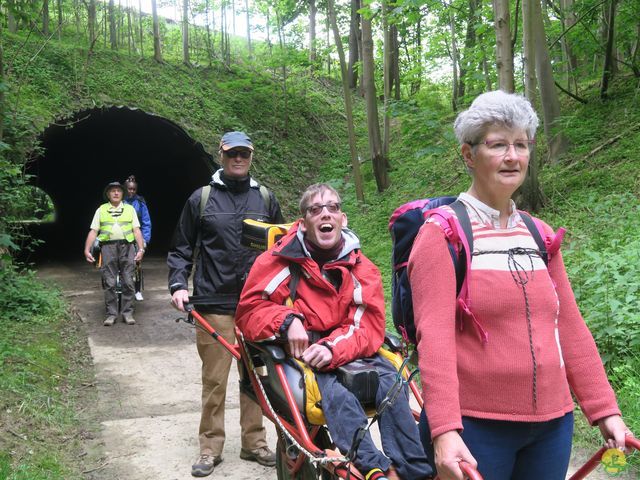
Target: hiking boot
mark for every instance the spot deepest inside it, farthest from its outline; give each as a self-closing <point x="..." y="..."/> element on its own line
<point x="205" y="464"/>
<point x="263" y="455"/>
<point x="110" y="320"/>
<point x="129" y="320"/>
<point x="139" y="296"/>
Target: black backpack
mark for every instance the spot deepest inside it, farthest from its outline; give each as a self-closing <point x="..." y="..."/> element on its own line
<point x="404" y="224"/>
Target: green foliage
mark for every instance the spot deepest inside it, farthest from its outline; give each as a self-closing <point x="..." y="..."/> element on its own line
<point x="39" y="355"/>
<point x="605" y="275"/>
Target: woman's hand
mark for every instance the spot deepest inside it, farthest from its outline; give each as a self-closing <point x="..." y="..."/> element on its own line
<point x="449" y="450"/>
<point x="614" y="431"/>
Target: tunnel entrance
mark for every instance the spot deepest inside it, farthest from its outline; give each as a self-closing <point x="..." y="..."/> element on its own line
<point x="83" y="153"/>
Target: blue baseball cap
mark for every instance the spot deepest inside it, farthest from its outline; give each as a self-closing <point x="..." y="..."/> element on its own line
<point x="235" y="139"/>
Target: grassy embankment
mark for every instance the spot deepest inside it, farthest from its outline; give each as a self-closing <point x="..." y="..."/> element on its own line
<point x="594" y="196"/>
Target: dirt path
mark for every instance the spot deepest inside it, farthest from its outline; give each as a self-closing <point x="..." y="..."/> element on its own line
<point x="148" y="381"/>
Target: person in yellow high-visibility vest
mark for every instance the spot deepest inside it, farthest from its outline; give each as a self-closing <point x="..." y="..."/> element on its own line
<point x="116" y="227"/>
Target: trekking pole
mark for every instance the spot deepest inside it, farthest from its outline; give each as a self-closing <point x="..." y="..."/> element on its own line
<point x="593" y="462"/>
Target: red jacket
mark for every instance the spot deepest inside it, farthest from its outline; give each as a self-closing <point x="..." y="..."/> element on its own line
<point x="351" y="321"/>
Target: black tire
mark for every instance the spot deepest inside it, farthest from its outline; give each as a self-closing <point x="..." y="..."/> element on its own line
<point x="119" y="291"/>
<point x="308" y="470"/>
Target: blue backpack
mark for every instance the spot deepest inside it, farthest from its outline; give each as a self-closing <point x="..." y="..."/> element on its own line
<point x="404" y="224"/>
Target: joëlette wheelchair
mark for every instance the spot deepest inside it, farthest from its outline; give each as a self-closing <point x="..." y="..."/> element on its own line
<point x="277" y="383"/>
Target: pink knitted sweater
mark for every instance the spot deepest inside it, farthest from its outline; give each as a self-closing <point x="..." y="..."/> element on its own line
<point x="530" y="363"/>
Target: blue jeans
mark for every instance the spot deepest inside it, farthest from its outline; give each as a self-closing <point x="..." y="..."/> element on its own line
<point x="516" y="450"/>
<point x="398" y="429"/>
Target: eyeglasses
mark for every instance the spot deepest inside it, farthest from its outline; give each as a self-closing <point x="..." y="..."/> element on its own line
<point x="316" y="209"/>
<point x="238" y="153"/>
<point x="499" y="148"/>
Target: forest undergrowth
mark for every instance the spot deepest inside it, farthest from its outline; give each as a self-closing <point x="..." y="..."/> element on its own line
<point x="593" y="191"/>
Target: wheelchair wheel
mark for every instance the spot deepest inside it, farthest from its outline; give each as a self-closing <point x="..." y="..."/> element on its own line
<point x="284" y="462"/>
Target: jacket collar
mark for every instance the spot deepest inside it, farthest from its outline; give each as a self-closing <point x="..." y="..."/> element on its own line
<point x="216" y="179"/>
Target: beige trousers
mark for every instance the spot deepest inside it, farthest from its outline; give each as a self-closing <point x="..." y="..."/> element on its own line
<point x="216" y="364"/>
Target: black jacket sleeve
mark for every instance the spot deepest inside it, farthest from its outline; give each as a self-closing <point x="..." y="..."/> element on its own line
<point x="185" y="238"/>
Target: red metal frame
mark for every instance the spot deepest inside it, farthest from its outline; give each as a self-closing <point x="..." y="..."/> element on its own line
<point x="299" y="429"/>
<point x="594" y="461"/>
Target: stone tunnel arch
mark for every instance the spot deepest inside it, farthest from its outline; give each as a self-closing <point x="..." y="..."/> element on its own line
<point x="93" y="147"/>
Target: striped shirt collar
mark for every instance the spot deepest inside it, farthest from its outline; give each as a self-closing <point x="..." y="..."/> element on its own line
<point x="483" y="213"/>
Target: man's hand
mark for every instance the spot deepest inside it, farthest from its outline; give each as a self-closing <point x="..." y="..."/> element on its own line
<point x="88" y="257"/>
<point x="139" y="254"/>
<point x="449" y="449"/>
<point x="317" y="356"/>
<point x="179" y="298"/>
<point x="297" y="337"/>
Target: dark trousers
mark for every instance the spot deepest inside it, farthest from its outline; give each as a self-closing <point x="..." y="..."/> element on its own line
<point x="398" y="429"/>
<point x="118" y="257"/>
<point x="516" y="450"/>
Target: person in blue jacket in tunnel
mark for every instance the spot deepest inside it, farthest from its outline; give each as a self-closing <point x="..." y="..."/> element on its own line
<point x="140" y="205"/>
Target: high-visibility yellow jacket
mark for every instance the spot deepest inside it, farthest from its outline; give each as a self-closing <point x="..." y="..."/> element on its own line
<point x="107" y="221"/>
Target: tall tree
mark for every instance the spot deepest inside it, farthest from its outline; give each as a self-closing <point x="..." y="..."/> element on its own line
<point x="248" y="14"/>
<point x="313" y="10"/>
<point x="157" y="48"/>
<point x="141" y="28"/>
<point x="373" y="126"/>
<point x="556" y="139"/>
<point x="354" y="36"/>
<point x="92" y="20"/>
<point x="348" y="107"/>
<point x="530" y="192"/>
<point x="185" y="32"/>
<point x="455" y="61"/>
<point x="504" y="52"/>
<point x="45" y="18"/>
<point x="607" y="72"/>
<point x="112" y="25"/>
<point x="60" y="19"/>
<point x="386" y="73"/>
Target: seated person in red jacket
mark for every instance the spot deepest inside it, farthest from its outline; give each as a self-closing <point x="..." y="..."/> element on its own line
<point x="338" y="316"/>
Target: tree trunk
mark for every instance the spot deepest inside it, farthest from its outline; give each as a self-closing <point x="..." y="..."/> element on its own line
<point x="246" y="6"/>
<point x="416" y="82"/>
<point x="60" y="19"/>
<point x="530" y="194"/>
<point x="354" y="33"/>
<point x="45" y="18"/>
<point x="373" y="126"/>
<point x="568" y="21"/>
<point x="3" y="84"/>
<point x="12" y="25"/>
<point x="141" y="28"/>
<point x="548" y="95"/>
<point x="91" y="21"/>
<point x="185" y="32"/>
<point x="470" y="42"/>
<point x="395" y="62"/>
<point x="130" y="36"/>
<point x="208" y="28"/>
<point x="454" y="62"/>
<point x="607" y="72"/>
<point x="346" y="90"/>
<point x="112" y="26"/>
<point x="157" y="48"/>
<point x="504" y="53"/>
<point x="313" y="10"/>
<point x="386" y="76"/>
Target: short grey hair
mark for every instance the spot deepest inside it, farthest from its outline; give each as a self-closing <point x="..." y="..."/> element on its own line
<point x="497" y="108"/>
<point x="312" y="191"/>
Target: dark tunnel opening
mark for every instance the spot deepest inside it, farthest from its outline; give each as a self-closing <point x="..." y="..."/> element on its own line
<point x="82" y="154"/>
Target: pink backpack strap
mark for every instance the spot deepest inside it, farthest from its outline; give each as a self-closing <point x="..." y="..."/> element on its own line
<point x="552" y="241"/>
<point x="456" y="236"/>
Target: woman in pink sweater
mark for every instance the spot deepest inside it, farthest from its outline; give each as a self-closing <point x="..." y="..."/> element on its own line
<point x="497" y="386"/>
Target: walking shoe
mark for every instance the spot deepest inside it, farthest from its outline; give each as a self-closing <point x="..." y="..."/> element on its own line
<point x="263" y="455"/>
<point x="139" y="296"/>
<point x="205" y="464"/>
<point x="110" y="320"/>
<point x="129" y="320"/>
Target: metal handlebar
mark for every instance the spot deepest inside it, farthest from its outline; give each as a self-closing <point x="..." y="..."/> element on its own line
<point x="593" y="462"/>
